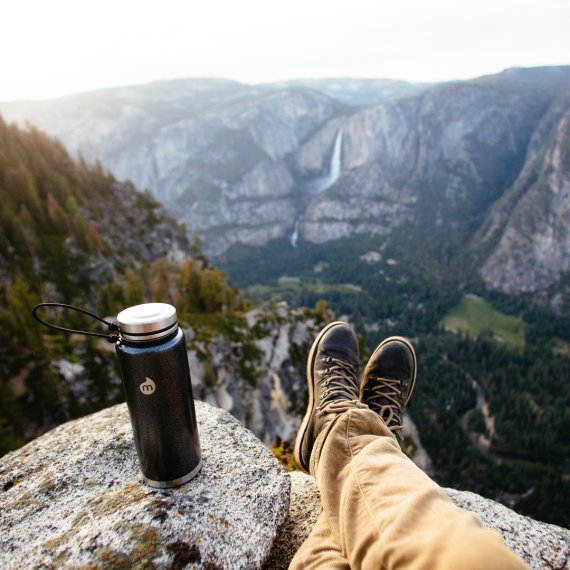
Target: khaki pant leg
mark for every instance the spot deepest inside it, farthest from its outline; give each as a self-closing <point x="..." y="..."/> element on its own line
<point x="384" y="512"/>
<point x="320" y="550"/>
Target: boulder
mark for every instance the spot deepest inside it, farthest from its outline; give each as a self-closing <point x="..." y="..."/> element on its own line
<point x="75" y="498"/>
<point x="541" y="545"/>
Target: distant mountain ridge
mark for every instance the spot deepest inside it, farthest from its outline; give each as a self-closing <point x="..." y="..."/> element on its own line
<point x="240" y="164"/>
<point x="354" y="91"/>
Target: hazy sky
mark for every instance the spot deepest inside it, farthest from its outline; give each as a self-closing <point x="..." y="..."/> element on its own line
<point x="55" y="47"/>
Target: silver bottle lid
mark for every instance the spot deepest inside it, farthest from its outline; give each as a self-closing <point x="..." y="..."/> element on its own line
<point x="147" y="322"/>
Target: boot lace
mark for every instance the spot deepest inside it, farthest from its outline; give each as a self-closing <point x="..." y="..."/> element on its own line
<point x="340" y="387"/>
<point x="385" y="398"/>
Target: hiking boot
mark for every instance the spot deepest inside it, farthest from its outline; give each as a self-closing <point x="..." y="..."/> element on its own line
<point x="332" y="376"/>
<point x="388" y="381"/>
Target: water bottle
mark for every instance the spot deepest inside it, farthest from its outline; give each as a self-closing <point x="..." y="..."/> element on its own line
<point x="151" y="349"/>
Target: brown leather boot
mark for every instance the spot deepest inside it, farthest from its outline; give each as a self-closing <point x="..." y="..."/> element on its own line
<point x="388" y="381"/>
<point x="332" y="376"/>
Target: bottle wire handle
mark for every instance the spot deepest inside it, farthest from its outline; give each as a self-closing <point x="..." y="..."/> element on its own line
<point x="111" y="325"/>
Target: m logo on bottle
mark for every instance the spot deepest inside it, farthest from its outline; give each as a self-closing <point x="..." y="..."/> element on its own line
<point x="148" y="386"/>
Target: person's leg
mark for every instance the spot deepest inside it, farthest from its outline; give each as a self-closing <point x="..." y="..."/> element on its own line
<point x="381" y="510"/>
<point x="385" y="512"/>
<point x="320" y="550"/>
<point x="334" y="361"/>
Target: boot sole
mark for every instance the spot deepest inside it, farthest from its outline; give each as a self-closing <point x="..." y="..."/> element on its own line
<point x="381" y="345"/>
<point x="310" y="406"/>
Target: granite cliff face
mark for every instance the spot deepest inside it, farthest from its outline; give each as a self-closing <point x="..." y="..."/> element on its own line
<point x="259" y="378"/>
<point x="435" y="161"/>
<point x="533" y="218"/>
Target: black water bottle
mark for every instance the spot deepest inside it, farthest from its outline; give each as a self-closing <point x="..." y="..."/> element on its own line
<point x="156" y="375"/>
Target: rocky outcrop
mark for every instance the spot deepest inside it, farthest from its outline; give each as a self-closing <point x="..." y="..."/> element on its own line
<point x="260" y="378"/>
<point x="304" y="510"/>
<point x="75" y="498"/>
<point x="533" y="218"/>
<point x="539" y="544"/>
<point x="542" y="546"/>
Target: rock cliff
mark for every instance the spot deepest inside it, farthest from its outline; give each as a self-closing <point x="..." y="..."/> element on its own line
<point x="257" y="372"/>
<point x="435" y="161"/>
<point x="75" y="498"/>
<point x="533" y="218"/>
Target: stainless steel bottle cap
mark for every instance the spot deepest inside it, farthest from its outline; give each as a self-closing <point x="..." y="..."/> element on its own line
<point x="147" y="322"/>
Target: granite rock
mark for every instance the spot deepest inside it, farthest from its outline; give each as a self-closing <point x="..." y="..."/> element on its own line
<point x="541" y="545"/>
<point x="75" y="497"/>
<point x="304" y="511"/>
<point x="533" y="217"/>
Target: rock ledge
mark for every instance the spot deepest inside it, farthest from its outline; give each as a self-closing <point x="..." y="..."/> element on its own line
<point x="75" y="498"/>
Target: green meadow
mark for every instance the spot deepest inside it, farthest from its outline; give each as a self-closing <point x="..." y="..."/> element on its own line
<point x="293" y="286"/>
<point x="476" y="318"/>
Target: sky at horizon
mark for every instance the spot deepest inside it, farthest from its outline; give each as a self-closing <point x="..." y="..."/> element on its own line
<point x="51" y="49"/>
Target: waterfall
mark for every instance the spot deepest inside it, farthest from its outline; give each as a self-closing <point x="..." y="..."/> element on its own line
<point x="319" y="185"/>
<point x="325" y="182"/>
<point x="295" y="234"/>
<point x="335" y="159"/>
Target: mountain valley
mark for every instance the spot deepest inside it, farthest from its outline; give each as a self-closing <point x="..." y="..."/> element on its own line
<point x="240" y="164"/>
<point x="401" y="210"/>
